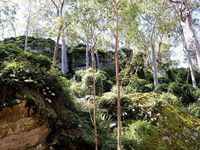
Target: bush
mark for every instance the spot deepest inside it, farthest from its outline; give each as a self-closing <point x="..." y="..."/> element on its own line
<point x="163" y="80"/>
<point x="188" y="95"/>
<point x="169" y="98"/>
<point x="177" y="75"/>
<point x="134" y="106"/>
<point x="194" y="109"/>
<point x="138" y="85"/>
<point x="107" y="136"/>
<point x="141" y="135"/>
<point x="183" y="91"/>
<point x="197" y="94"/>
<point x="175" y="88"/>
<point x="161" y="88"/>
<point x="84" y="80"/>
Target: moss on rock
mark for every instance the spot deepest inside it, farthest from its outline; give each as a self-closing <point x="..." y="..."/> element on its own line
<point x="153" y="121"/>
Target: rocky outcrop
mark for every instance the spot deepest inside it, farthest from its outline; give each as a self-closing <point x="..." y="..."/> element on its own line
<point x="76" y="54"/>
<point x="20" y="128"/>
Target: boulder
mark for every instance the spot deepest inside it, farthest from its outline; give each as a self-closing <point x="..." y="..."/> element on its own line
<point x="20" y="128"/>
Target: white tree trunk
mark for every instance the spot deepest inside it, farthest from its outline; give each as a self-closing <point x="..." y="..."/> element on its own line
<point x="87" y="56"/>
<point x="194" y="83"/>
<point x="98" y="62"/>
<point x="64" y="61"/>
<point x="95" y="66"/>
<point x="28" y="26"/>
<point x="155" y="73"/>
<point x="190" y="33"/>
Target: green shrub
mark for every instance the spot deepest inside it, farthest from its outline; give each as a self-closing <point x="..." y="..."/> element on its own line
<point x="177" y="75"/>
<point x="38" y="61"/>
<point x="163" y="80"/>
<point x="194" y="109"/>
<point x="175" y="88"/>
<point x="197" y="94"/>
<point x="169" y="98"/>
<point x="137" y="85"/>
<point x="161" y="88"/>
<point x="84" y="80"/>
<point x="133" y="105"/>
<point x="183" y="91"/>
<point x="188" y="95"/>
<point x="141" y="135"/>
<point x="107" y="136"/>
<point x="9" y="52"/>
<point x="148" y="76"/>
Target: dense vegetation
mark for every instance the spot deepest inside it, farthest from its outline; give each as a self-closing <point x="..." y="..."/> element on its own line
<point x="149" y="115"/>
<point x="143" y="96"/>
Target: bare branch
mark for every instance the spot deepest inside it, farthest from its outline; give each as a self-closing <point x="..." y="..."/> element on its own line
<point x="61" y="8"/>
<point x="182" y="9"/>
<point x="56" y="7"/>
<point x="176" y="1"/>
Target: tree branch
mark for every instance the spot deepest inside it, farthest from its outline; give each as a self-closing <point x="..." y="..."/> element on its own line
<point x="176" y="1"/>
<point x="56" y="7"/>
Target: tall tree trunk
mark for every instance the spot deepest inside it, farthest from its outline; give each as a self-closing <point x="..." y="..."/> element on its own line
<point x="55" y="53"/>
<point x="186" y="22"/>
<point x="94" y="102"/>
<point x="13" y="27"/>
<point x="155" y="75"/>
<point x="98" y="62"/>
<point x="119" y="123"/>
<point x="87" y="56"/>
<point x="26" y="37"/>
<point x="59" y="13"/>
<point x="27" y="26"/>
<point x="187" y="26"/>
<point x="64" y="61"/>
<point x="94" y="63"/>
<point x="194" y="83"/>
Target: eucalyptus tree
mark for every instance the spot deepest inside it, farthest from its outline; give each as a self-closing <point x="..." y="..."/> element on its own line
<point x="28" y="23"/>
<point x="64" y="60"/>
<point x="81" y="26"/>
<point x="8" y="14"/>
<point x="58" y="5"/>
<point x="186" y="22"/>
<point x="186" y="47"/>
<point x="58" y="19"/>
<point x="119" y="131"/>
<point x="186" y="44"/>
<point x="186" y="51"/>
<point x="150" y="27"/>
<point x="33" y="8"/>
<point x="89" y="26"/>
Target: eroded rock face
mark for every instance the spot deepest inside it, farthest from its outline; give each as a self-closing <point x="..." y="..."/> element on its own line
<point x="20" y="129"/>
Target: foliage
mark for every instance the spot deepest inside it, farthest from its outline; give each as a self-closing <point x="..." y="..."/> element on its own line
<point x="83" y="83"/>
<point x="138" y="85"/>
<point x="178" y="75"/>
<point x="140" y="135"/>
<point x="153" y="118"/>
<point x="163" y="80"/>
<point x="37" y="45"/>
<point x="161" y="88"/>
<point x="28" y="72"/>
<point x="183" y="91"/>
<point x="194" y="109"/>
<point x="107" y="137"/>
<point x="132" y="66"/>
